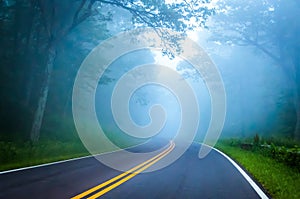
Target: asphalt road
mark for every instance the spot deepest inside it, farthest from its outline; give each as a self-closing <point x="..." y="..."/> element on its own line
<point x="188" y="177"/>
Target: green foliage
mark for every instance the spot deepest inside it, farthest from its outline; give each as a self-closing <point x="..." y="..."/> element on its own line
<point x="286" y="151"/>
<point x="16" y="155"/>
<point x="256" y="140"/>
<point x="290" y="156"/>
<point x="22" y="154"/>
<point x="281" y="141"/>
<point x="278" y="179"/>
<point x="8" y="151"/>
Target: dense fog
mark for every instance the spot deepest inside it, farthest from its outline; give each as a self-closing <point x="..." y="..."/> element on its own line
<point x="253" y="44"/>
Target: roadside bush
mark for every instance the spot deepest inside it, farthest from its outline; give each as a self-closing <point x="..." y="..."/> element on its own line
<point x="8" y="151"/>
<point x="289" y="154"/>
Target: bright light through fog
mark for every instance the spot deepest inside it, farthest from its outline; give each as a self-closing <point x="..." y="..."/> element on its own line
<point x="193" y="35"/>
<point x="165" y="61"/>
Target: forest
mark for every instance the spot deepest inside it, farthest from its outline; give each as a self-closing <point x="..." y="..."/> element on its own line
<point x="253" y="47"/>
<point x="255" y="44"/>
<point x="38" y="63"/>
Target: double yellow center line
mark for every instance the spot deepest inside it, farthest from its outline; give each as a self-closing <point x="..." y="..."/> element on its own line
<point x="120" y="179"/>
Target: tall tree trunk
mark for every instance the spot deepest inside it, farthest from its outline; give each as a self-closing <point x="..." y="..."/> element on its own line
<point x="39" y="113"/>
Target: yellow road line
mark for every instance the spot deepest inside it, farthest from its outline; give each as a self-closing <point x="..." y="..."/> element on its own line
<point x="172" y="145"/>
<point x="130" y="176"/>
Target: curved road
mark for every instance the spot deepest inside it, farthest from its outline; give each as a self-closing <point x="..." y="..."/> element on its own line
<point x="188" y="177"/>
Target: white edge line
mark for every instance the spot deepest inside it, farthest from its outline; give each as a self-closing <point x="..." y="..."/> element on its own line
<point x="63" y="161"/>
<point x="244" y="174"/>
<point x="46" y="164"/>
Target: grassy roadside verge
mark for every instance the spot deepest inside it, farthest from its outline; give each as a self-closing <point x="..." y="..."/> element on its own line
<point x="18" y="155"/>
<point x="278" y="179"/>
<point x="15" y="155"/>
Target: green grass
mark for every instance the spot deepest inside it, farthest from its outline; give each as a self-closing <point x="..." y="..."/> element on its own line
<point x="279" y="180"/>
<point x="17" y="155"/>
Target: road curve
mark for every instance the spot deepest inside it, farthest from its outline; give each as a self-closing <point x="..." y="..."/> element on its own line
<point x="188" y="177"/>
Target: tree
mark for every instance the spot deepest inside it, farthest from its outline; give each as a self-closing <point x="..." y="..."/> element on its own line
<point x="270" y="27"/>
